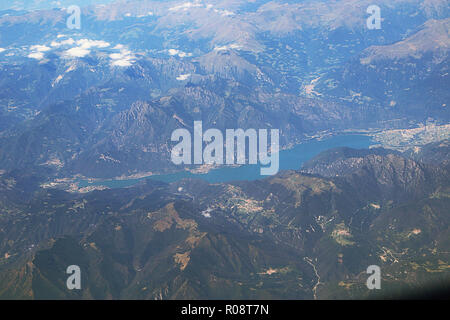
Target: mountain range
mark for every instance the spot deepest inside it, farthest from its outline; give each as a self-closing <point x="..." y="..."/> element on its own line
<point x="102" y="101"/>
<point x="300" y="234"/>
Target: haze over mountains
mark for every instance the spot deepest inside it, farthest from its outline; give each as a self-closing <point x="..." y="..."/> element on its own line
<point x="226" y="63"/>
<point x="102" y="101"/>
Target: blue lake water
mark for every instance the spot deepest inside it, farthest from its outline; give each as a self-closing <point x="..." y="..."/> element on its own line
<point x="291" y="159"/>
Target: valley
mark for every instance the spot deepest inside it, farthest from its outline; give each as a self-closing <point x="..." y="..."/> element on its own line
<point x="184" y="239"/>
<point x="291" y="159"/>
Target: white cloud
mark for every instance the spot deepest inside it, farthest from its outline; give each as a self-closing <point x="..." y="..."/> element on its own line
<point x="2" y="50"/>
<point x="186" y="5"/>
<point x="36" y="55"/>
<point x="77" y="52"/>
<point x="84" y="46"/>
<point x="67" y="42"/>
<point x="37" y="52"/>
<point x="224" y="13"/>
<point x="122" y="63"/>
<point x="183" y="77"/>
<point x="173" y="52"/>
<point x="124" y="58"/>
<point x="227" y="47"/>
<point x="39" y="48"/>
<point x="181" y="54"/>
<point x="116" y="56"/>
<point x="87" y="43"/>
<point x="145" y="15"/>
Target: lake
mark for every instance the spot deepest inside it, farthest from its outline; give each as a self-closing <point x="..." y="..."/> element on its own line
<point x="291" y="159"/>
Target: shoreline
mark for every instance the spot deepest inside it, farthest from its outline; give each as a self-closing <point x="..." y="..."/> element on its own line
<point x="380" y="138"/>
<point x="206" y="169"/>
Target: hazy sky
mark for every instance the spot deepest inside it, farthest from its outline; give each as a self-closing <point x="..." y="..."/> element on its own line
<point x="45" y="4"/>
